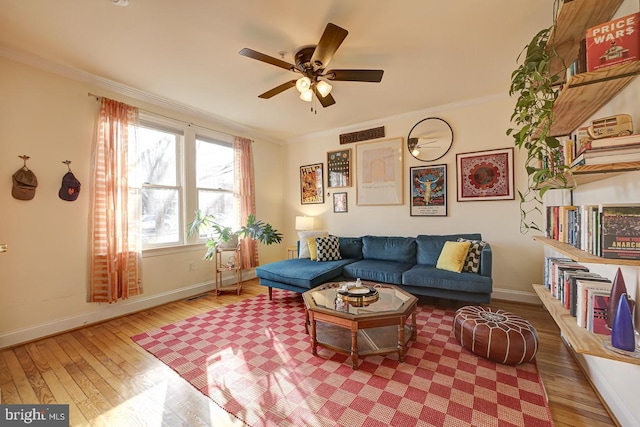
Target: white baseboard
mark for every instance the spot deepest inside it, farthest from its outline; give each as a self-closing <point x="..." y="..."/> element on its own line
<point x="516" y="296"/>
<point x="623" y="416"/>
<point x="108" y="311"/>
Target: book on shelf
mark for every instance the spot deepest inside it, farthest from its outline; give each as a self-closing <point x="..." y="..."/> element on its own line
<point x="562" y="269"/>
<point x="582" y="288"/>
<point x="614" y="42"/>
<point x="552" y="283"/>
<point x="598" y="304"/>
<point x="613" y="141"/>
<point x="620" y="231"/>
<point x="561" y="223"/>
<point x="572" y="283"/>
<point x="582" y="141"/>
<point x="548" y="262"/>
<point x="599" y="156"/>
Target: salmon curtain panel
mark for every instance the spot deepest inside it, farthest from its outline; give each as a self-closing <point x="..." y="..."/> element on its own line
<point x="245" y="196"/>
<point x="115" y="246"/>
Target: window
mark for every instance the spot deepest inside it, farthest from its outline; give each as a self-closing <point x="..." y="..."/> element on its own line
<point x="215" y="179"/>
<point x="158" y="169"/>
<point x="169" y="156"/>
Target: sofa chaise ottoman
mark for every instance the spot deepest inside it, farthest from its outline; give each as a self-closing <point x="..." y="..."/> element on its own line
<point x="409" y="262"/>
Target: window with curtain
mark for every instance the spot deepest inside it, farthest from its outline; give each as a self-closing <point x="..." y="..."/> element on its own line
<point x="150" y="175"/>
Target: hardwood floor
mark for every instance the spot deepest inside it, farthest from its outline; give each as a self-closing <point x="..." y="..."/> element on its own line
<point x="107" y="380"/>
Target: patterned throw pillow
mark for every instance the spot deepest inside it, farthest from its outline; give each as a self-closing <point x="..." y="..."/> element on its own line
<point x="304" y="247"/>
<point x="328" y="248"/>
<point x="472" y="263"/>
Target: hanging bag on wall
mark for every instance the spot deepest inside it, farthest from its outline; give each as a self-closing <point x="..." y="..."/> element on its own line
<point x="24" y="182"/>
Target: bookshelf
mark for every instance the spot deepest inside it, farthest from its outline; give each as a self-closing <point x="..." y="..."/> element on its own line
<point x="573" y="18"/>
<point x="591" y="173"/>
<point x="585" y="93"/>
<point x="581" y="340"/>
<point x="582" y="256"/>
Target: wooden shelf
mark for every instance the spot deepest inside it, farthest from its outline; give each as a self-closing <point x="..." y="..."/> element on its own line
<point x="592" y="173"/>
<point x="582" y="256"/>
<point x="586" y="93"/>
<point x="580" y="339"/>
<point x="574" y="17"/>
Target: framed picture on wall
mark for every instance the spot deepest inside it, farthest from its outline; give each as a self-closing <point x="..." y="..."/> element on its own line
<point x="340" y="202"/>
<point x="339" y="168"/>
<point x="485" y="175"/>
<point x="379" y="172"/>
<point x="428" y="190"/>
<point x="311" y="184"/>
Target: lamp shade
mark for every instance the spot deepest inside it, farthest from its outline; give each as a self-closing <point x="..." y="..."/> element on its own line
<point x="303" y="83"/>
<point x="307" y="95"/>
<point x="304" y="223"/>
<point x="323" y="87"/>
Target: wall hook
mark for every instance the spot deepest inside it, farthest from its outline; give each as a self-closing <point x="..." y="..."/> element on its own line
<point x="24" y="158"/>
<point x="68" y="163"/>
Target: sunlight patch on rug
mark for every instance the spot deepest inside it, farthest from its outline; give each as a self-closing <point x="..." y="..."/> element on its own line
<point x="253" y="359"/>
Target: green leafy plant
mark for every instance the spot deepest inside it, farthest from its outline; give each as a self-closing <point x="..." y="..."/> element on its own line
<point x="536" y="89"/>
<point x="219" y="234"/>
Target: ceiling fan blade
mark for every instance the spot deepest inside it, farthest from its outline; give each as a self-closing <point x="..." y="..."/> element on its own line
<point x="373" y="76"/>
<point x="278" y="89"/>
<point x="331" y="39"/>
<point x="325" y="101"/>
<point x="250" y="53"/>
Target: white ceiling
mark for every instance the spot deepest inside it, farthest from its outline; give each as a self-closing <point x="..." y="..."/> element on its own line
<point x="433" y="52"/>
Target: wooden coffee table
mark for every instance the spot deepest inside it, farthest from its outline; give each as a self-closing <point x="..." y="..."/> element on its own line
<point x="377" y="328"/>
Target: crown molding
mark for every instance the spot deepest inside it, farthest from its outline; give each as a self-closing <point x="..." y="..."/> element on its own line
<point x="122" y="89"/>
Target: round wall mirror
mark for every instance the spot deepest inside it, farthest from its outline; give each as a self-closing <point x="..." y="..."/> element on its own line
<point x="430" y="139"/>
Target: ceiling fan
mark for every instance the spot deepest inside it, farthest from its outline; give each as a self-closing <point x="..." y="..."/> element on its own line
<point x="311" y="62"/>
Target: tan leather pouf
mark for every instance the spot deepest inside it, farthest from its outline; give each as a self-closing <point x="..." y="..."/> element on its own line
<point x="496" y="335"/>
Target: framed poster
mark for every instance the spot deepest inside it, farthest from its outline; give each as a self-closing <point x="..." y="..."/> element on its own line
<point x="428" y="191"/>
<point x="339" y="168"/>
<point x="340" y="202"/>
<point x="379" y="168"/>
<point x="485" y="175"/>
<point x="311" y="184"/>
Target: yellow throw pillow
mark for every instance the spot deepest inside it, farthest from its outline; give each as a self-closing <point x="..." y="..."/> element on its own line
<point x="453" y="256"/>
<point x="313" y="248"/>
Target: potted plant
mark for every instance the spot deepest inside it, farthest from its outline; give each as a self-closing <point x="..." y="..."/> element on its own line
<point x="537" y="90"/>
<point x="224" y="236"/>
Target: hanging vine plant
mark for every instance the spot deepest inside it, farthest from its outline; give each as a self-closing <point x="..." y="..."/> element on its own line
<point x="536" y="89"/>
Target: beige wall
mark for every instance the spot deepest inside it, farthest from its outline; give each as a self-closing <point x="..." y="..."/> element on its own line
<point x="43" y="273"/>
<point x="477" y="125"/>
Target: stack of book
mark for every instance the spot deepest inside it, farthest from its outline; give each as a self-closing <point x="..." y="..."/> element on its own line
<point x="585" y="294"/>
<point x="606" y="230"/>
<point x="609" y="150"/>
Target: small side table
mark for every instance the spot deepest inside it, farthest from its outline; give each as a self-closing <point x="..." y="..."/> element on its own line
<point x="292" y="252"/>
<point x="234" y="266"/>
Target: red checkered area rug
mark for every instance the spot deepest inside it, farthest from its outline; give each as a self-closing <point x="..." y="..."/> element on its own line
<point x="253" y="359"/>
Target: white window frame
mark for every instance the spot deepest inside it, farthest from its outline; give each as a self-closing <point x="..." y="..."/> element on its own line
<point x="186" y="175"/>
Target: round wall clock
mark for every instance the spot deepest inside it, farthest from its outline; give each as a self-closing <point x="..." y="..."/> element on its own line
<point x="430" y="139"/>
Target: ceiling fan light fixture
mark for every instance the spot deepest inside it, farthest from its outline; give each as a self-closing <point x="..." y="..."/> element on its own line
<point x="323" y="87"/>
<point x="303" y="84"/>
<point x="307" y="95"/>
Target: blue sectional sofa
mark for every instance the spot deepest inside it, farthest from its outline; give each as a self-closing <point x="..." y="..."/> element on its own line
<point x="409" y="262"/>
